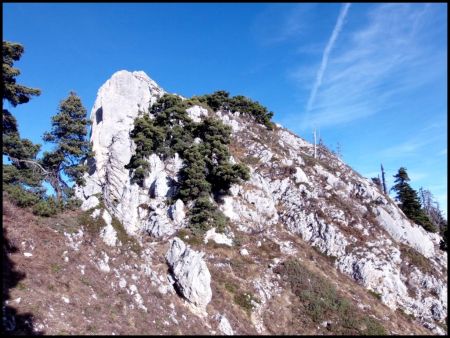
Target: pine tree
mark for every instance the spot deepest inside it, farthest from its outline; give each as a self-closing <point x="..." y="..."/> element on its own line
<point x="69" y="131"/>
<point x="14" y="93"/>
<point x="409" y="201"/>
<point x="22" y="178"/>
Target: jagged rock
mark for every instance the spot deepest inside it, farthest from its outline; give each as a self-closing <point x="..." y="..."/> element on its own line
<point x="196" y="112"/>
<point x="176" y="212"/>
<point x="103" y="263"/>
<point x="224" y="326"/>
<point x="118" y="103"/>
<point x="323" y="201"/>
<point x="243" y="252"/>
<point x="90" y="203"/>
<point x="300" y="176"/>
<point x="404" y="231"/>
<point x="159" y="187"/>
<point x="159" y="224"/>
<point x="190" y="273"/>
<point x="211" y="234"/>
<point x="95" y="213"/>
<point x="108" y="233"/>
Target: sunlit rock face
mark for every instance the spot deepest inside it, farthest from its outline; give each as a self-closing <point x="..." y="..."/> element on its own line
<point x="321" y="200"/>
<point x="190" y="273"/>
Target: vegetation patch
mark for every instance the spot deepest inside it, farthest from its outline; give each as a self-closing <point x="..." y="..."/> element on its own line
<point x="91" y="224"/>
<point x="126" y="240"/>
<point x="415" y="258"/>
<point x="207" y="170"/>
<point x="246" y="301"/>
<point x="320" y="301"/>
<point x="375" y="294"/>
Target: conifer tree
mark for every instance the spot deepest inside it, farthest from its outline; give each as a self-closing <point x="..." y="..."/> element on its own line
<point x="69" y="130"/>
<point x="22" y="178"/>
<point x="409" y="201"/>
<point x="14" y="93"/>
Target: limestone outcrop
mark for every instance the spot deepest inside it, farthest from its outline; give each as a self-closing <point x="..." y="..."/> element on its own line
<point x="191" y="275"/>
<point x="321" y="200"/>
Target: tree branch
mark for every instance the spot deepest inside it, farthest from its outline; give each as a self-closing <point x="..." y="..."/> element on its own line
<point x="34" y="163"/>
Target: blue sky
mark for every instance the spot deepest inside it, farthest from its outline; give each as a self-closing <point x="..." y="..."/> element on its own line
<point x="372" y="77"/>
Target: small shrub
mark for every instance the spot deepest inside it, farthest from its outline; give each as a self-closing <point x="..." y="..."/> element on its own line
<point x="92" y="225"/>
<point x="231" y="287"/>
<point x="55" y="268"/>
<point x="373" y="327"/>
<point x="21" y="197"/>
<point x="320" y="301"/>
<point x="123" y="236"/>
<point x="21" y="286"/>
<point x="375" y="294"/>
<point x="46" y="208"/>
<point x="251" y="160"/>
<point x="417" y="259"/>
<point x="188" y="237"/>
<point x="246" y="301"/>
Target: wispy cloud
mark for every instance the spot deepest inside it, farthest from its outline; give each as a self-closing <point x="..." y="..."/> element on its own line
<point x="326" y="53"/>
<point x="415" y="144"/>
<point x="372" y="66"/>
<point x="282" y="22"/>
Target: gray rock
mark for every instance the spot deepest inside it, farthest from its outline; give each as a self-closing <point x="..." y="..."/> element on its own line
<point x="191" y="275"/>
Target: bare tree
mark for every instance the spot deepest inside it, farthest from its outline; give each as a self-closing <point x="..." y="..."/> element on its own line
<point x="383" y="180"/>
<point x="431" y="208"/>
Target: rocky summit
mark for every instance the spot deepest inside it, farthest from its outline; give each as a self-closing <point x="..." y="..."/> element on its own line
<point x="309" y="245"/>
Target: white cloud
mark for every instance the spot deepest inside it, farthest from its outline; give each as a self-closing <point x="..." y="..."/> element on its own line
<point x="372" y="67"/>
<point x="326" y="54"/>
<point x="281" y="22"/>
<point x="415" y="145"/>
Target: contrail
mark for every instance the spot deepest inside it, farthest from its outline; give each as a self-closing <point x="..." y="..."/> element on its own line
<point x="326" y="53"/>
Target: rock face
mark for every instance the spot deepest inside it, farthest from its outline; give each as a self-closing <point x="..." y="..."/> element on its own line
<point x="192" y="277"/>
<point x="118" y="103"/>
<point x="321" y="200"/>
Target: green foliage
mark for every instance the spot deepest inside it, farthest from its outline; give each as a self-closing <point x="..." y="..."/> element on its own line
<point x="92" y="225"/>
<point x="321" y="301"/>
<point x="206" y="168"/>
<point x="222" y="100"/>
<point x="14" y="93"/>
<point x="19" y="179"/>
<point x="372" y="327"/>
<point x="415" y="258"/>
<point x="254" y="108"/>
<point x="205" y="215"/>
<point x="193" y="183"/>
<point x="69" y="131"/>
<point x="126" y="240"/>
<point x="246" y="301"/>
<point x="20" y="196"/>
<point x="47" y="207"/>
<point x="375" y="294"/>
<point x="409" y="201"/>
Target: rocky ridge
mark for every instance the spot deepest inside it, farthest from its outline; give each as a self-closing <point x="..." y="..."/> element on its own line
<point x="290" y="194"/>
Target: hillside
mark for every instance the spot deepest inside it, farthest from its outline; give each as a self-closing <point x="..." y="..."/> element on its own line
<point x="309" y="247"/>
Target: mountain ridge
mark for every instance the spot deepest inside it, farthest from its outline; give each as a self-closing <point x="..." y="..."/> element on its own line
<point x="293" y="207"/>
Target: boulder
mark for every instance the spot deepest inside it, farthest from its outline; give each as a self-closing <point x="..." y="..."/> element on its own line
<point x="191" y="275"/>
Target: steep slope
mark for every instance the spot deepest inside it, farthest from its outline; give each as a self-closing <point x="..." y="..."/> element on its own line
<point x="297" y="216"/>
<point x="60" y="277"/>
